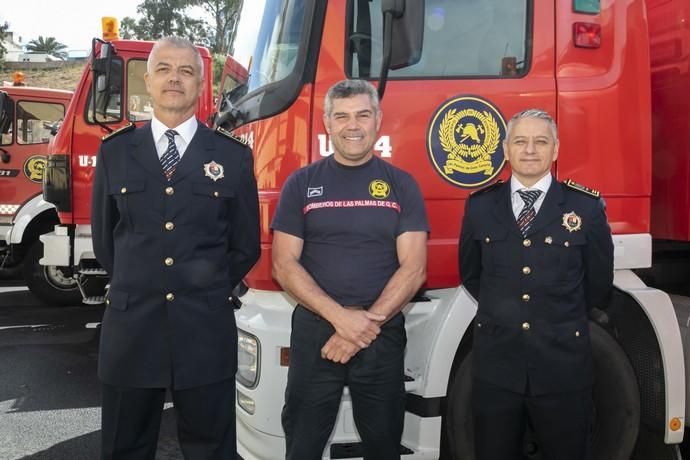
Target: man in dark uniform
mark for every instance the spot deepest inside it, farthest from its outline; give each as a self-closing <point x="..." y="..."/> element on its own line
<point x="175" y="223"/>
<point x="537" y="254"/>
<point x="349" y="245"/>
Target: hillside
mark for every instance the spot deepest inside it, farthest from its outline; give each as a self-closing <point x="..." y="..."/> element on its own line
<point x="64" y="78"/>
<point x="68" y="77"/>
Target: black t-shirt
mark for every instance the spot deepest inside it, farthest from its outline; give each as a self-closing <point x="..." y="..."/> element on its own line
<point x="349" y="218"/>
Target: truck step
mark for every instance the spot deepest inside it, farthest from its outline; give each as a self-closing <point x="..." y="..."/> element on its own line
<point x="94" y="300"/>
<point x="93" y="272"/>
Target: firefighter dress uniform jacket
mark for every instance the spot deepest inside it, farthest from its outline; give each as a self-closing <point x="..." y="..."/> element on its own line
<point x="534" y="291"/>
<point x="174" y="251"/>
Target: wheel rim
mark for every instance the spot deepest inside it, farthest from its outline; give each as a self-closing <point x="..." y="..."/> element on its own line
<point x="57" y="279"/>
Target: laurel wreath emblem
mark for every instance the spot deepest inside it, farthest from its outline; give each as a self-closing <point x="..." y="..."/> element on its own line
<point x="457" y="151"/>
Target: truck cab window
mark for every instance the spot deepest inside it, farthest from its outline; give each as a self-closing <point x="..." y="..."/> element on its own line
<point x="35" y="121"/>
<point x="139" y="106"/>
<point x="490" y="41"/>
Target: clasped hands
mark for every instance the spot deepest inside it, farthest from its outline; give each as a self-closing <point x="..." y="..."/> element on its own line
<point x="354" y="329"/>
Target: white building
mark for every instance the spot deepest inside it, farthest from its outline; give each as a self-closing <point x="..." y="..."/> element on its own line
<point x="38" y="57"/>
<point x="13" y="50"/>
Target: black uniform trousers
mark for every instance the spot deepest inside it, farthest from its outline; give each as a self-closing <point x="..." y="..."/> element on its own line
<point x="560" y="421"/>
<point x="374" y="376"/>
<point x="205" y="415"/>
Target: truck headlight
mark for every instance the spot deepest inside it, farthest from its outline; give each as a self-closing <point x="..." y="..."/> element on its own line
<point x="248" y="359"/>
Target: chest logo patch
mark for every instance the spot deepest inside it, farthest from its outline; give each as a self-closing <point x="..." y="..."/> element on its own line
<point x="572" y="222"/>
<point x="314" y="191"/>
<point x="379" y="189"/>
<point x="34" y="166"/>
<point x="464" y="141"/>
<point x="214" y="171"/>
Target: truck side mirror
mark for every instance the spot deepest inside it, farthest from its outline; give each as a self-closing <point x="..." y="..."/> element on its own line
<point x="403" y="35"/>
<point x="407" y="31"/>
<point x="6" y="112"/>
<point x="101" y="67"/>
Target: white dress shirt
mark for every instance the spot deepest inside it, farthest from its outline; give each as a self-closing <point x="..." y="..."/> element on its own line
<point x="518" y="203"/>
<point x="185" y="132"/>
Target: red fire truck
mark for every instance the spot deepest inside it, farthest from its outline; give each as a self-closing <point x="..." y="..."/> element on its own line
<point x="28" y="116"/>
<point x="445" y="66"/>
<point x="446" y="102"/>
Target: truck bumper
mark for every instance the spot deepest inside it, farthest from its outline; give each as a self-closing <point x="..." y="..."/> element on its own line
<point x="58" y="244"/>
<point x="267" y="317"/>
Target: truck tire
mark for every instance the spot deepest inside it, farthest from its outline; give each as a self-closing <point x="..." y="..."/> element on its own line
<point x="49" y="284"/>
<point x="616" y="415"/>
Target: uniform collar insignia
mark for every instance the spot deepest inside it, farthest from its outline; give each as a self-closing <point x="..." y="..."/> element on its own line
<point x="213" y="171"/>
<point x="572" y="222"/>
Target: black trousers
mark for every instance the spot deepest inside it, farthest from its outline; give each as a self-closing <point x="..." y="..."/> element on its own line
<point x="561" y="423"/>
<point x="131" y="419"/>
<point x="375" y="377"/>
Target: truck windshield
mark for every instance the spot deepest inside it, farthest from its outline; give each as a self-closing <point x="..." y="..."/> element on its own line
<point x="266" y="43"/>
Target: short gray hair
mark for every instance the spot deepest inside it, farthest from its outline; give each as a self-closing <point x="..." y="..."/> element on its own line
<point x="348" y="88"/>
<point x="533" y="113"/>
<point x="177" y="42"/>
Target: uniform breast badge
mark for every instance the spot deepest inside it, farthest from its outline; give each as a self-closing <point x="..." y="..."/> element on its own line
<point x="213" y="171"/>
<point x="571" y="221"/>
<point x="379" y="189"/>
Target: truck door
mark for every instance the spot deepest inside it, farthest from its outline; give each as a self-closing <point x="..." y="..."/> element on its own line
<point x="444" y="118"/>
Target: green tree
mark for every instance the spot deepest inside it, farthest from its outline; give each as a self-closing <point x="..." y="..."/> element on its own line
<point x="160" y="18"/>
<point x="225" y="14"/>
<point x="48" y="45"/>
<point x="4" y="27"/>
<point x="129" y="28"/>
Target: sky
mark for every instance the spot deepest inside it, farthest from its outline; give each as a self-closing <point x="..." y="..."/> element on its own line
<point x="72" y="22"/>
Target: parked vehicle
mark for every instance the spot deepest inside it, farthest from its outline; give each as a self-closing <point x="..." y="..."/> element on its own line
<point x="28" y="118"/>
<point x="445" y="110"/>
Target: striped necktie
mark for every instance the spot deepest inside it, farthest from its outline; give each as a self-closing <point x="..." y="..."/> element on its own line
<point x="528" y="213"/>
<point x="171" y="156"/>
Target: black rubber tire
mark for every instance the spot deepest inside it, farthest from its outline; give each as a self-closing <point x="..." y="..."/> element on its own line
<point x="459" y="426"/>
<point x="616" y="417"/>
<point x="47" y="283"/>
<point x="616" y="399"/>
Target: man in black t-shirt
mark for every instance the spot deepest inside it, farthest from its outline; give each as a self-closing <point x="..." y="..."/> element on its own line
<point x="349" y="245"/>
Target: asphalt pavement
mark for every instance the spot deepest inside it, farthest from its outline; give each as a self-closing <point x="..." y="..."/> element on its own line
<point x="49" y="392"/>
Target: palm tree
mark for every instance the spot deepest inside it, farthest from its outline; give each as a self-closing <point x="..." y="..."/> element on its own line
<point x="47" y="45"/>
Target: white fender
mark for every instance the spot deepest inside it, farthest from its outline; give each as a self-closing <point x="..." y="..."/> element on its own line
<point x="434" y="332"/>
<point x="657" y="306"/>
<point x="26" y="214"/>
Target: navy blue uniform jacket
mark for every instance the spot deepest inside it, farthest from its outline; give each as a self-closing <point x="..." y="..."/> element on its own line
<point x="174" y="251"/>
<point x="534" y="292"/>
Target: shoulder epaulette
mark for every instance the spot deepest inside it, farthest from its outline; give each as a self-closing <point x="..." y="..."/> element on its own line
<point x="124" y="129"/>
<point x="487" y="188"/>
<point x="582" y="188"/>
<point x="225" y="133"/>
